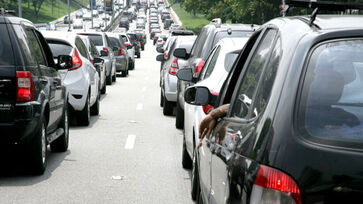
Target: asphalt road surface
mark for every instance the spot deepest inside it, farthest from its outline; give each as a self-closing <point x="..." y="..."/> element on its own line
<point x="130" y="153"/>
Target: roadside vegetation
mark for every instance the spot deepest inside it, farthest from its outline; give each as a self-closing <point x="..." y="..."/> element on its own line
<point x="43" y="11"/>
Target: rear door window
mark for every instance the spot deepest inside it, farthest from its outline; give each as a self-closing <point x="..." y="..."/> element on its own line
<point x="211" y="63"/>
<point x="331" y="108"/>
<point x="82" y="48"/>
<point x="6" y="51"/>
<point x="115" y="42"/>
<point x="24" y="44"/>
<point x="59" y="48"/>
<point x="35" y="47"/>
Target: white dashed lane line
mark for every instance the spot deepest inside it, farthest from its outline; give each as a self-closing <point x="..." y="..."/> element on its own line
<point x="139" y="106"/>
<point x="130" y="142"/>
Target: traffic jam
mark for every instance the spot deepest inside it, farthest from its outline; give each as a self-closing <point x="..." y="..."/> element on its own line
<point x="267" y="113"/>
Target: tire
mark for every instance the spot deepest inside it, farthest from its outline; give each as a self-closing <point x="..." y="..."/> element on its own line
<point x="114" y="78"/>
<point x="142" y="48"/>
<point x="195" y="178"/>
<point x="95" y="109"/>
<point x="103" y="90"/>
<point x="200" y="198"/>
<point x="161" y="99"/>
<point x="138" y="55"/>
<point x="179" y="119"/>
<point x="186" y="160"/>
<point x="37" y="150"/>
<point x="61" y="143"/>
<point x="84" y="116"/>
<point x="124" y="73"/>
<point x="167" y="107"/>
<point x="109" y="79"/>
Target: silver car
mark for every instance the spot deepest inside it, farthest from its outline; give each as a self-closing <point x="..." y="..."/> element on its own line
<point x="130" y="50"/>
<point x="120" y="53"/>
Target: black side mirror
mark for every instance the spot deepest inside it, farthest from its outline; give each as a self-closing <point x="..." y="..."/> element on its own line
<point x="185" y="74"/>
<point x="160" y="58"/>
<point x="181" y="53"/>
<point x="98" y="60"/>
<point x="200" y="96"/>
<point x="160" y="49"/>
<point x="64" y="62"/>
<point x="129" y="47"/>
<point x="103" y="53"/>
<point x="115" y="49"/>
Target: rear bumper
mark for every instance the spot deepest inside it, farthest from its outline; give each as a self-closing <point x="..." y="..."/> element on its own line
<point x="24" y="126"/>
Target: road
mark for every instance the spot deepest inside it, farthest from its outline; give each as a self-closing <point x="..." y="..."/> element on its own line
<point x="130" y="153"/>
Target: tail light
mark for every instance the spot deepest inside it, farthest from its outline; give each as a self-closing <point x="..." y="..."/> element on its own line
<point x="166" y="56"/>
<point x="77" y="62"/>
<point x="274" y="186"/>
<point x="127" y="44"/>
<point x="120" y="52"/>
<point x="105" y="49"/>
<point x="159" y="40"/>
<point x="164" y="43"/>
<point x="174" y="67"/>
<point x="198" y="68"/>
<point x="208" y="107"/>
<point x="25" y="86"/>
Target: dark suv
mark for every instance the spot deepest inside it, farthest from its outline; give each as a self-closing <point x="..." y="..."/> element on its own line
<point x="33" y="100"/>
<point x="293" y="132"/>
<point x="136" y="43"/>
<point x="207" y="39"/>
<point x="124" y="23"/>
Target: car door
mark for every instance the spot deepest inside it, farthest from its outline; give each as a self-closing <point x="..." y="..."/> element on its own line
<point x="240" y="122"/>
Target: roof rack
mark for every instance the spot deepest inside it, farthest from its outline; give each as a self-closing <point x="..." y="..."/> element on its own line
<point x="4" y="12"/>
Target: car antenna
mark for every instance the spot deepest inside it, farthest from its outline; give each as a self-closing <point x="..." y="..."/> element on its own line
<point x="313" y="16"/>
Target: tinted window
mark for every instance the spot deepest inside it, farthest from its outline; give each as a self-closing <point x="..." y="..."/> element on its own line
<point x="81" y="48"/>
<point x="125" y="38"/>
<point x="108" y="41"/>
<point x="199" y="43"/>
<point x="35" y="47"/>
<point x="235" y="33"/>
<point x="94" y="51"/>
<point x="211" y="64"/>
<point x="132" y="37"/>
<point x="267" y="80"/>
<point x="6" y="54"/>
<point x="24" y="42"/>
<point x="229" y="60"/>
<point x="59" y="48"/>
<point x="332" y="99"/>
<point x="115" y="42"/>
<point x="96" y="39"/>
<point x="251" y="77"/>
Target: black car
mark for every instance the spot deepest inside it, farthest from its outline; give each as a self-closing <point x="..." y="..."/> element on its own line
<point x="167" y="23"/>
<point x="141" y="35"/>
<point x="128" y="15"/>
<point x="293" y="132"/>
<point x="124" y="23"/>
<point x="135" y="43"/>
<point x="33" y="100"/>
<point x="208" y="37"/>
<point x="67" y="21"/>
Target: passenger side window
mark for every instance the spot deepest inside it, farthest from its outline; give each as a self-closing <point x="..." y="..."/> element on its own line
<point x="199" y="43"/>
<point x="108" y="41"/>
<point x="82" y="48"/>
<point x="35" y="47"/>
<point x="211" y="64"/>
<point x="252" y="75"/>
<point x="24" y="44"/>
<point x="267" y="81"/>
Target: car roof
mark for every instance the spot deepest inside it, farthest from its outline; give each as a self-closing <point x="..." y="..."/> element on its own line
<point x="62" y="36"/>
<point x="338" y="22"/>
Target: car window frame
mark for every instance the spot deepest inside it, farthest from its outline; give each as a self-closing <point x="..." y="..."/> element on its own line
<point x="207" y="63"/>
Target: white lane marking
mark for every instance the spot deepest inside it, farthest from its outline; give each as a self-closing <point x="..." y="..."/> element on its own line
<point x="139" y="106"/>
<point x="143" y="89"/>
<point x="147" y="78"/>
<point x="130" y="142"/>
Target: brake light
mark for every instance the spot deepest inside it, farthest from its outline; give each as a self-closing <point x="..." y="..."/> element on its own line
<point x="127" y="44"/>
<point x="120" y="52"/>
<point x="77" y="62"/>
<point x="174" y="67"/>
<point x="198" y="68"/>
<point x="159" y="40"/>
<point x="208" y="107"/>
<point x="164" y="43"/>
<point x="274" y="186"/>
<point x="105" y="49"/>
<point x="166" y="56"/>
<point x="25" y="86"/>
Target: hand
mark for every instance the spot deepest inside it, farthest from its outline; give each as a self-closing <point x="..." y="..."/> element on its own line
<point x="206" y="126"/>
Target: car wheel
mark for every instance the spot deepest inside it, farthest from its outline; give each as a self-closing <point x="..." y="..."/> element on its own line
<point x="37" y="150"/>
<point x="139" y="55"/>
<point x="84" y="116"/>
<point x="200" y="198"/>
<point x="195" y="178"/>
<point x="95" y="109"/>
<point x="161" y="99"/>
<point x="61" y="143"/>
<point x="114" y="78"/>
<point x="142" y="48"/>
<point x="124" y="73"/>
<point x="179" y="119"/>
<point x="186" y="160"/>
<point x="167" y="107"/>
<point x="109" y="79"/>
<point x="103" y="90"/>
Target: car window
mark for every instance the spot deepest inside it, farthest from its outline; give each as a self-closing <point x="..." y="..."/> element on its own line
<point x="211" y="63"/>
<point x="96" y="39"/>
<point x="199" y="42"/>
<point x="115" y="42"/>
<point x="251" y="77"/>
<point x="235" y="34"/>
<point x="108" y="41"/>
<point x="24" y="44"/>
<point x="6" y="54"/>
<point x="125" y="38"/>
<point x="35" y="47"/>
<point x="229" y="60"/>
<point x="82" y="48"/>
<point x="331" y="108"/>
<point x="267" y="80"/>
<point x="59" y="48"/>
<point x="94" y="51"/>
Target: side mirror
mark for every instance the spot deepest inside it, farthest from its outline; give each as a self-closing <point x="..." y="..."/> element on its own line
<point x="160" y="49"/>
<point x="103" y="53"/>
<point x="129" y="47"/>
<point x="181" y="53"/>
<point x="198" y="96"/>
<point x="115" y="49"/>
<point x="185" y="74"/>
<point x="98" y="60"/>
<point x="64" y="62"/>
<point x="160" y="58"/>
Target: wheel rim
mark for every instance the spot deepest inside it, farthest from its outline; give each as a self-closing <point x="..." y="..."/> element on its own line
<point x="44" y="145"/>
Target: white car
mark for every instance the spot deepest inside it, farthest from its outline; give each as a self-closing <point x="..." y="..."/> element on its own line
<point x="87" y="16"/>
<point x="82" y="80"/>
<point x="78" y="24"/>
<point x="131" y="51"/>
<point x="213" y="75"/>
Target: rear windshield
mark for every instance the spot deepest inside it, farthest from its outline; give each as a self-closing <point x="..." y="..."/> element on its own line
<point x="96" y="39"/>
<point x="331" y="109"/>
<point x="59" y="48"/>
<point x="124" y="38"/>
<point x="6" y="54"/>
<point x="115" y="42"/>
<point x="132" y="37"/>
<point x="235" y="33"/>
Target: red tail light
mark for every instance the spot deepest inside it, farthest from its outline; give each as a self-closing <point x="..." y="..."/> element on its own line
<point x="77" y="62"/>
<point x="127" y="44"/>
<point x="174" y="67"/>
<point x="198" y="68"/>
<point x="159" y="40"/>
<point x="120" y="52"/>
<point x="271" y="185"/>
<point x="208" y="107"/>
<point x="25" y="86"/>
<point x="105" y="49"/>
<point x="166" y="56"/>
<point x="164" y="43"/>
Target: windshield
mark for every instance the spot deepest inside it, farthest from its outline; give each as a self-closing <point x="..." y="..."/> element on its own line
<point x="96" y="39"/>
<point x="332" y="100"/>
<point x="6" y="57"/>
